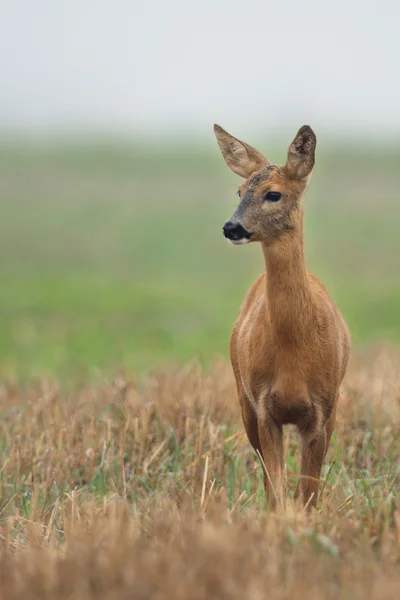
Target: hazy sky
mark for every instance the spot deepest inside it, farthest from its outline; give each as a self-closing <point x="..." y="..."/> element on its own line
<point x="166" y="66"/>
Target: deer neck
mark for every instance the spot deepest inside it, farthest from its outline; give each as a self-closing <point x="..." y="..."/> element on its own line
<point x="290" y="307"/>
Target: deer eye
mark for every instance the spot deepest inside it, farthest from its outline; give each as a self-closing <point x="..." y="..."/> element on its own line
<point x="273" y="196"/>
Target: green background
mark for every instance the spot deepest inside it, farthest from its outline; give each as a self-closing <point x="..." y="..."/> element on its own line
<point x="112" y="254"/>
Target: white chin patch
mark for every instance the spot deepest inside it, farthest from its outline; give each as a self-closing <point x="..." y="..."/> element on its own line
<point x="239" y="242"/>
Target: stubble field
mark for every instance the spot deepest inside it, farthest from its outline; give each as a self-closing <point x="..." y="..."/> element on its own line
<point x="138" y="488"/>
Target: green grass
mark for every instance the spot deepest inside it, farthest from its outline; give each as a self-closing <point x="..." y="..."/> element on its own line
<point x="113" y="255"/>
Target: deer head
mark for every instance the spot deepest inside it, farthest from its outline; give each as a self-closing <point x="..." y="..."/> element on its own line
<point x="271" y="196"/>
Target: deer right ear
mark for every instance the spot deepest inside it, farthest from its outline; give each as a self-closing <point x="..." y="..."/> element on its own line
<point x="241" y="158"/>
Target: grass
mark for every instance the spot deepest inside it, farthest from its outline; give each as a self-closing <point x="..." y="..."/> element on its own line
<point x="147" y="487"/>
<point x="113" y="255"/>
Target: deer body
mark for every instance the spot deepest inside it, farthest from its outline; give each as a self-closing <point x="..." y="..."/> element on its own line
<point x="290" y="345"/>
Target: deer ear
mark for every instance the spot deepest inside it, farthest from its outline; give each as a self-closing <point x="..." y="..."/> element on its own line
<point x="301" y="154"/>
<point x="241" y="158"/>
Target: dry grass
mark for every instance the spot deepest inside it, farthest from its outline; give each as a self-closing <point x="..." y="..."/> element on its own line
<point x="138" y="489"/>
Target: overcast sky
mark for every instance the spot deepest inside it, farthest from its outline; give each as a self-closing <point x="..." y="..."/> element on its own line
<point x="166" y="66"/>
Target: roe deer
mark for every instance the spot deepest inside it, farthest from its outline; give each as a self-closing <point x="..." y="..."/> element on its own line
<point x="290" y="345"/>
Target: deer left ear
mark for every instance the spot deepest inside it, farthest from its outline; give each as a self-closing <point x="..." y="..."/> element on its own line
<point x="301" y="154"/>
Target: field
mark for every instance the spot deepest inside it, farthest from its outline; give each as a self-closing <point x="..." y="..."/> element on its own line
<point x="138" y="488"/>
<point x="124" y="468"/>
<point x="113" y="256"/>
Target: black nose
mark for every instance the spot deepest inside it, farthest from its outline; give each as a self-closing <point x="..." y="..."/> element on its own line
<point x="234" y="231"/>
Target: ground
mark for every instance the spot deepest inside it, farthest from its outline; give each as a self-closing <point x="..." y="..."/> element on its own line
<point x="124" y="468"/>
<point x="149" y="488"/>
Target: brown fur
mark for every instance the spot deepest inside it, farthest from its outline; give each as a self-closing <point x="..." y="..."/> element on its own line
<point x="290" y="345"/>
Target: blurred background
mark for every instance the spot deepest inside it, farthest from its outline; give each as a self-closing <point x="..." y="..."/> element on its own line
<point x="113" y="192"/>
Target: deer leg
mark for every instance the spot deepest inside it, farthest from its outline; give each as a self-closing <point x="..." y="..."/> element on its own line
<point x="312" y="456"/>
<point x="330" y="426"/>
<point x="271" y="439"/>
<point x="250" y="423"/>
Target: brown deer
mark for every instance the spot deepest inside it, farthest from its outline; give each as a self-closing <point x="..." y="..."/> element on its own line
<point x="290" y="345"/>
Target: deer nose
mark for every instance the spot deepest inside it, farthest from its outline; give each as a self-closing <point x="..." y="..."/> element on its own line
<point x="234" y="231"/>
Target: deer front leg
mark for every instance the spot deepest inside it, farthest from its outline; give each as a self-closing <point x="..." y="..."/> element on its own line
<point x="271" y="440"/>
<point x="312" y="457"/>
<point x="249" y="418"/>
<point x="330" y="425"/>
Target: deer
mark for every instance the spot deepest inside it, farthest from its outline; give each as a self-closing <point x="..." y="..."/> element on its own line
<point x="290" y="345"/>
